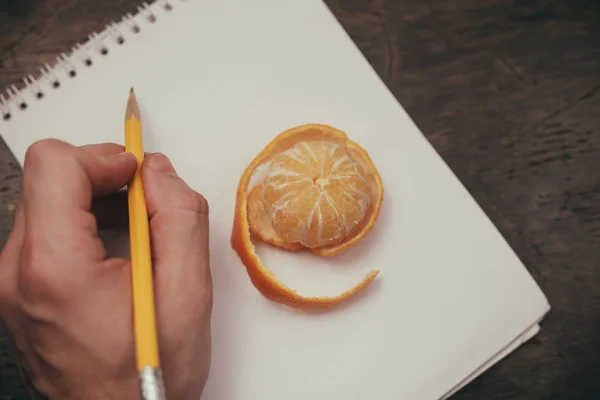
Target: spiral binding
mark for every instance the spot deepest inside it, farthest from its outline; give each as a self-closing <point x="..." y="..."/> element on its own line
<point x="97" y="45"/>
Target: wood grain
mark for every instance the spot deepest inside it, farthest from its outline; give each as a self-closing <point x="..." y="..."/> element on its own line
<point x="507" y="91"/>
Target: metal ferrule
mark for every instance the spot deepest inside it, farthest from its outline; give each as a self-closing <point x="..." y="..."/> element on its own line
<point x="151" y="384"/>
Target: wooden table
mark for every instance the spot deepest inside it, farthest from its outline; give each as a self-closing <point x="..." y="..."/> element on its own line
<point x="507" y="91"/>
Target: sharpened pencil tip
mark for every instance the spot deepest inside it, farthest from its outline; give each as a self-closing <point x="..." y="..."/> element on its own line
<point x="133" y="109"/>
<point x="131" y="90"/>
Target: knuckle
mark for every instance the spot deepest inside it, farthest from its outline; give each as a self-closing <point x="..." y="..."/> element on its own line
<point x="201" y="204"/>
<point x="194" y="201"/>
<point x="36" y="281"/>
<point x="40" y="151"/>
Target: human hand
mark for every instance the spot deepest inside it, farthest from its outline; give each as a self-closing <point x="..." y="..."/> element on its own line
<point x="68" y="306"/>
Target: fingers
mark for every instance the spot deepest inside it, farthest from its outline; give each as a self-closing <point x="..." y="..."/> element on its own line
<point x="59" y="181"/>
<point x="179" y="229"/>
<point x="56" y="173"/>
<point x="11" y="253"/>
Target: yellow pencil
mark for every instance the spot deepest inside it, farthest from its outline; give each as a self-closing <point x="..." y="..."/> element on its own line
<point x="146" y="340"/>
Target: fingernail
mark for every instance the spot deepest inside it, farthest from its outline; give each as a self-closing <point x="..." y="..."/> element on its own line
<point x="161" y="163"/>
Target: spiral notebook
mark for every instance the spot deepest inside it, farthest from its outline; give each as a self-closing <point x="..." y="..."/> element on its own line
<point x="216" y="81"/>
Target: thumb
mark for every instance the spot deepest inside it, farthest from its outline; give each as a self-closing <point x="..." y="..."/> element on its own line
<point x="184" y="297"/>
<point x="179" y="230"/>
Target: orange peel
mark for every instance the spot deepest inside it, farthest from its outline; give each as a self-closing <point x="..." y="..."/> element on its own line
<point x="251" y="217"/>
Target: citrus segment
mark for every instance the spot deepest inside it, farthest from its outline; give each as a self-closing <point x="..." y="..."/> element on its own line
<point x="376" y="191"/>
<point x="322" y="192"/>
<point x="260" y="224"/>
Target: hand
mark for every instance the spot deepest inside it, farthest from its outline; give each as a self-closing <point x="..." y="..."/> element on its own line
<point x="68" y="305"/>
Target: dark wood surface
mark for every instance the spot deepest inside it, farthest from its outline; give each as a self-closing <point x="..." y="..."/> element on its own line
<point x="507" y="91"/>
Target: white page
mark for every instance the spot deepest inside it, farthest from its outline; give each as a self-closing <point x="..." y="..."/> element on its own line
<point x="528" y="334"/>
<point x="217" y="80"/>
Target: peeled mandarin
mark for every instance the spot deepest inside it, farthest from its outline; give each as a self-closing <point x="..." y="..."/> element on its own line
<point x="315" y="194"/>
<point x="321" y="192"/>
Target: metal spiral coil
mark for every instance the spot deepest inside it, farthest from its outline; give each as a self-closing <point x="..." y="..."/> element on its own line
<point x="80" y="57"/>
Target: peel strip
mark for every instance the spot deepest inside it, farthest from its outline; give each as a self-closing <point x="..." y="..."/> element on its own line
<point x="261" y="277"/>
